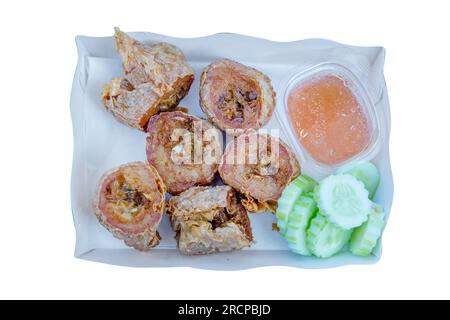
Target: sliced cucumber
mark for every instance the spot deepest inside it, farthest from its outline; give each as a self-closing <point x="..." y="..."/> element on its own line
<point x="300" y="185"/>
<point x="300" y="248"/>
<point x="282" y="227"/>
<point x="365" y="172"/>
<point x="325" y="239"/>
<point x="304" y="209"/>
<point x="364" y="239"/>
<point x="343" y="200"/>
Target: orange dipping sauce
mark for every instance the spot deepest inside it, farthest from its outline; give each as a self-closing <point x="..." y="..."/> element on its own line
<point x="328" y="119"/>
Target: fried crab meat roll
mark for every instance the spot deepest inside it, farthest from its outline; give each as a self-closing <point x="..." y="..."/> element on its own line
<point x="235" y="96"/>
<point x="208" y="220"/>
<point x="130" y="204"/>
<point x="184" y="149"/>
<point x="157" y="77"/>
<point x="259" y="166"/>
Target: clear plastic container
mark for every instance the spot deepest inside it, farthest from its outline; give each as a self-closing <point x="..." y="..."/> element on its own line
<point x="304" y="75"/>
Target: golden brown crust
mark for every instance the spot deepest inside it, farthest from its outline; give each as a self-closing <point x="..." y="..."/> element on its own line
<point x="130" y="204"/>
<point x="254" y="205"/>
<point x="235" y="96"/>
<point x="157" y="77"/>
<point x="259" y="166"/>
<point x="208" y="220"/>
<point x="184" y="149"/>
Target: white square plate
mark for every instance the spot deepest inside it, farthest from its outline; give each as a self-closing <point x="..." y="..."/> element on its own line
<point x="101" y="143"/>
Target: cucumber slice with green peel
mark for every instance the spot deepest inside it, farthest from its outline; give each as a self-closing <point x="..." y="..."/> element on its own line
<point x="286" y="202"/>
<point x="301" y="184"/>
<point x="365" y="172"/>
<point x="324" y="239"/>
<point x="304" y="209"/>
<point x="365" y="238"/>
<point x="300" y="248"/>
<point x="304" y="182"/>
<point x="282" y="227"/>
<point x="304" y="206"/>
<point x="343" y="200"/>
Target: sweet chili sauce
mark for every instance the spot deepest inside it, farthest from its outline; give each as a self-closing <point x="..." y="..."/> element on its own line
<point x="328" y="119"/>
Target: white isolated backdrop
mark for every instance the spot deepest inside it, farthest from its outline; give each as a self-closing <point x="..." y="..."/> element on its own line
<point x="38" y="58"/>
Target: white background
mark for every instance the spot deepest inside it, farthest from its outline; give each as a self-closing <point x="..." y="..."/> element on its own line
<point x="37" y="61"/>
